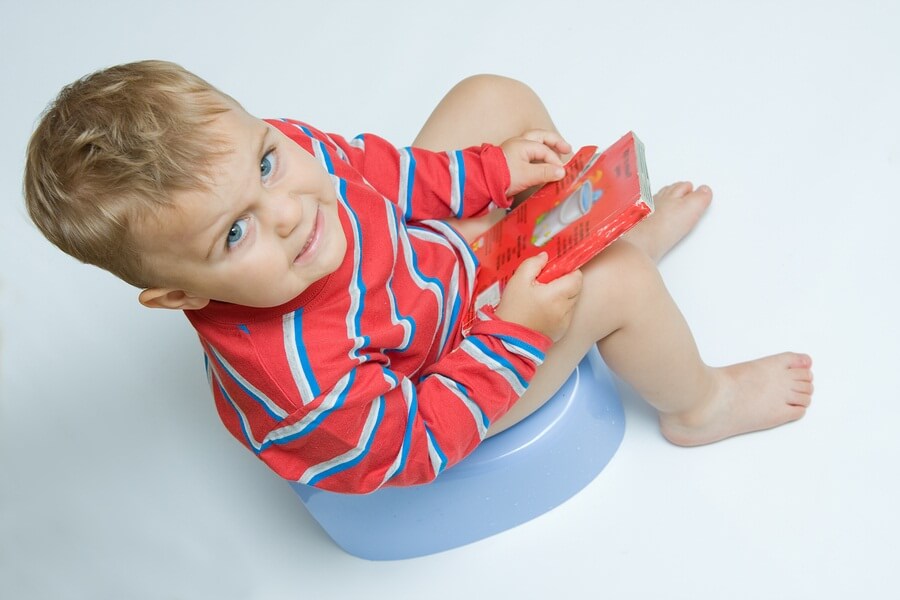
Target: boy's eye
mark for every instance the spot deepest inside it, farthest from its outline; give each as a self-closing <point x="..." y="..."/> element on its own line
<point x="267" y="164"/>
<point x="237" y="232"/>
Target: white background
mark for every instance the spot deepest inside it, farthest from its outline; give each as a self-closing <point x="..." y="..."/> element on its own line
<point x="117" y="480"/>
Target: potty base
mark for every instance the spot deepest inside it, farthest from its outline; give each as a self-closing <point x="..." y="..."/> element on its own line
<point x="509" y="479"/>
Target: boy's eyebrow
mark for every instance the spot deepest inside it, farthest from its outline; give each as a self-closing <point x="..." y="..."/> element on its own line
<point x="260" y="148"/>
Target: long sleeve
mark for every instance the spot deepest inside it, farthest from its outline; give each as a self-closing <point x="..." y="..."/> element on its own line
<point x="375" y="427"/>
<point x="425" y="184"/>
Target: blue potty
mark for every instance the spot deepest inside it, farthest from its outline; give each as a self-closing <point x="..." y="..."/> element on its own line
<point x="509" y="479"/>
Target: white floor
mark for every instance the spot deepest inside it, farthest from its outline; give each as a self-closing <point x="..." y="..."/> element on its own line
<point x="117" y="481"/>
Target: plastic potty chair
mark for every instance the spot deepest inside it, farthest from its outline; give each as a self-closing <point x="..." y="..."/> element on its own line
<point x="509" y="479"/>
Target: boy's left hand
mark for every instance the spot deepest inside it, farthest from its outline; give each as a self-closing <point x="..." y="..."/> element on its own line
<point x="533" y="159"/>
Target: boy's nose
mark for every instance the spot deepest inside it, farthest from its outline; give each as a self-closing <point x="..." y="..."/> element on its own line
<point x="286" y="213"/>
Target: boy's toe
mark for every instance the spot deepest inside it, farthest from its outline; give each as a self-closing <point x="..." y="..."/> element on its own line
<point x="803" y="387"/>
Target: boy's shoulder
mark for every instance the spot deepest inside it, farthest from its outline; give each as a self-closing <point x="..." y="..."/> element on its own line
<point x="327" y="146"/>
<point x="301" y="132"/>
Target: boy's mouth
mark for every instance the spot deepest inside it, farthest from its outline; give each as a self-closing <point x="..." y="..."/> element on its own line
<point x="312" y="243"/>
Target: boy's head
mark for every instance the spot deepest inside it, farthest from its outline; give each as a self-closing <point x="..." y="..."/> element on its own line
<point x="149" y="172"/>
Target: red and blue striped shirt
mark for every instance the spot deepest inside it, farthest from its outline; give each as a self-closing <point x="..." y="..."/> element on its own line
<point x="367" y="378"/>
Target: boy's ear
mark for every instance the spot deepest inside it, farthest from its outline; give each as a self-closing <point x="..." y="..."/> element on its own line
<point x="171" y="299"/>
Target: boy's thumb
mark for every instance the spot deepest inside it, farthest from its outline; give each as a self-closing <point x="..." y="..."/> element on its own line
<point x="531" y="267"/>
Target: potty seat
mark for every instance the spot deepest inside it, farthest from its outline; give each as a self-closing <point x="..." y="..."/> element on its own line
<point x="509" y="479"/>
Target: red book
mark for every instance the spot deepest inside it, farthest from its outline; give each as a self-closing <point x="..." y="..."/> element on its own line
<point x="601" y="196"/>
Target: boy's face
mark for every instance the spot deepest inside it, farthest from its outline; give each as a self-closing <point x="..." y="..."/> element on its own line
<point x="267" y="228"/>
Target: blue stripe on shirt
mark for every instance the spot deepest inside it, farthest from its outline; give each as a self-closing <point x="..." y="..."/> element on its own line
<point x="500" y="360"/>
<point x="356" y="455"/>
<point x="461" y="166"/>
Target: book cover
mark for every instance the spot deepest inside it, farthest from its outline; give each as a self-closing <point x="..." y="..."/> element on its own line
<point x="601" y="196"/>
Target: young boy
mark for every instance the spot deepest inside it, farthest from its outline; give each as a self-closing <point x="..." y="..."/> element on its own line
<point x="326" y="277"/>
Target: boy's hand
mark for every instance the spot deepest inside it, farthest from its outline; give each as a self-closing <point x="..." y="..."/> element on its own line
<point x="544" y="307"/>
<point x="533" y="159"/>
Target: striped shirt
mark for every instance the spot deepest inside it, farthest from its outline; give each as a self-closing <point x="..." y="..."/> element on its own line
<point x="367" y="378"/>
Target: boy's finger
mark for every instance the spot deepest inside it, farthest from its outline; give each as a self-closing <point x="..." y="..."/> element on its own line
<point x="566" y="287"/>
<point x="537" y="152"/>
<point x="569" y="284"/>
<point x="537" y="174"/>
<point x="531" y="267"/>
<point x="549" y="138"/>
<point x="538" y="135"/>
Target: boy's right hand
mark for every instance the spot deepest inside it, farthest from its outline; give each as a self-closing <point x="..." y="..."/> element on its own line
<point x="544" y="307"/>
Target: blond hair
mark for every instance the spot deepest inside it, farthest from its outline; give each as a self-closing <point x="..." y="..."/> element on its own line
<point x="110" y="150"/>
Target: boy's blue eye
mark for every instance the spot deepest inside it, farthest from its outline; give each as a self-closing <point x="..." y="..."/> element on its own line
<point x="237" y="232"/>
<point x="267" y="164"/>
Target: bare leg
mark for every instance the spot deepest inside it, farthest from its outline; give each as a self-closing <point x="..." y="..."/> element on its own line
<point x="646" y="341"/>
<point x="642" y="334"/>
<point x="483" y="108"/>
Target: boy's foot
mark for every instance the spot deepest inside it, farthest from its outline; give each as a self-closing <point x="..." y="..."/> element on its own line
<point x="678" y="208"/>
<point x="750" y="396"/>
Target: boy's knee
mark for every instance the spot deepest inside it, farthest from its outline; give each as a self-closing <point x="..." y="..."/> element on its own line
<point x="494" y="89"/>
<point x="622" y="272"/>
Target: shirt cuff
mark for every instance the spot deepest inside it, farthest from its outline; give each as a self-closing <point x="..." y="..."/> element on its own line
<point x="488" y="323"/>
<point x="496" y="174"/>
